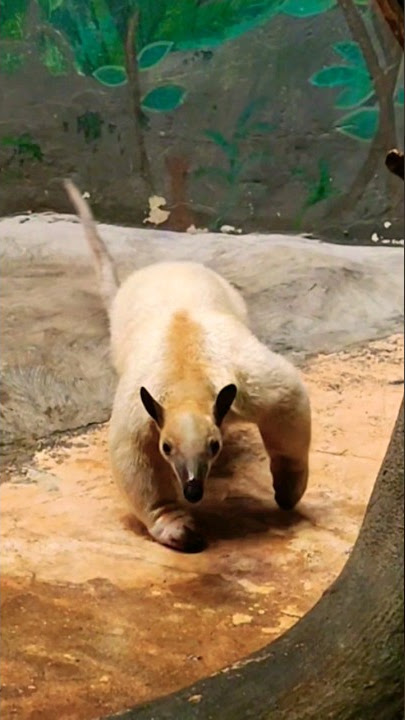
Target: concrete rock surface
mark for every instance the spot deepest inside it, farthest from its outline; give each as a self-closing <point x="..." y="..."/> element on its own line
<point x="305" y="297"/>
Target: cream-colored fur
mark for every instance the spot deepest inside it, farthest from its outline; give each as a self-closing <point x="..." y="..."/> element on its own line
<point x="180" y="331"/>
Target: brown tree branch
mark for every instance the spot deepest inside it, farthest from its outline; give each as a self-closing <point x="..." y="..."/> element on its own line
<point x="135" y="93"/>
<point x="384" y="80"/>
<point x="393" y="12"/>
<point x="384" y="137"/>
<point x="379" y="75"/>
<point x="392" y="51"/>
<point x="358" y="30"/>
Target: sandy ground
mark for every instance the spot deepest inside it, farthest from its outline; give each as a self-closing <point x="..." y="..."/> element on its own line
<point x="96" y="617"/>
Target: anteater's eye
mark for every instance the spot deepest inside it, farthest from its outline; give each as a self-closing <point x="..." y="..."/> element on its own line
<point x="167" y="448"/>
<point x="214" y="447"/>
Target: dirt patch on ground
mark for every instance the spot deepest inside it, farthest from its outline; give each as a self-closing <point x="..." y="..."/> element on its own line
<point x="96" y="617"/>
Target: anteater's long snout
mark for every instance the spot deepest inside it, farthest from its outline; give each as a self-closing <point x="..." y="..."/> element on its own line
<point x="193" y="490"/>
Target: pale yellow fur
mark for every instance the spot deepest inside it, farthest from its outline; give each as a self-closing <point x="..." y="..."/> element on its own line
<point x="181" y="331"/>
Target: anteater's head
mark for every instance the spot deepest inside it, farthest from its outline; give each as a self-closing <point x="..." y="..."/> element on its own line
<point x="190" y="441"/>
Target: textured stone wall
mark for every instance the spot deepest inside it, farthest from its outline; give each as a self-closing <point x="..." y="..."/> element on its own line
<point x="269" y="116"/>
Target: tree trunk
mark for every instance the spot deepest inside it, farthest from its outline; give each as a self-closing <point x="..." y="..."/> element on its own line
<point x="393" y="11"/>
<point x="181" y="215"/>
<point x="135" y="97"/>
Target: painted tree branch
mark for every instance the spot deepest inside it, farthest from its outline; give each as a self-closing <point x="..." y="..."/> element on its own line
<point x="358" y="30"/>
<point x="392" y="50"/>
<point x="384" y="80"/>
<point x="135" y="92"/>
<point x="384" y="136"/>
<point x="393" y="12"/>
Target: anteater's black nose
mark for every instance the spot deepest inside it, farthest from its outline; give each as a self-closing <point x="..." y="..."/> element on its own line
<point x="193" y="491"/>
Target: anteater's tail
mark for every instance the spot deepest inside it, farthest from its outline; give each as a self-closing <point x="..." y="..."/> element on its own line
<point x="103" y="262"/>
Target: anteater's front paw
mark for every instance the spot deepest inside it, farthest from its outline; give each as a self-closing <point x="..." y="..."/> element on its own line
<point x="290" y="479"/>
<point x="178" y="533"/>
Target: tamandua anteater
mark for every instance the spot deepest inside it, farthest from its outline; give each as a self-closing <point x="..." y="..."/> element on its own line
<point x="186" y="361"/>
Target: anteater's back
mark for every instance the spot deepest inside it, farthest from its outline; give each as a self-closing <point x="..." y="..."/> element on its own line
<point x="146" y="301"/>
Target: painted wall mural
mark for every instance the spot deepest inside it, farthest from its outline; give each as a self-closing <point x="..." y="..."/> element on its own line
<point x="259" y="114"/>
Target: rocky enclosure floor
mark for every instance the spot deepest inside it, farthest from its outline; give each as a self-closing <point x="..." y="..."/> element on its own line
<point x="94" y="615"/>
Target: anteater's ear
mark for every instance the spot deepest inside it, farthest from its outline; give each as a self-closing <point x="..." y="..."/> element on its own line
<point x="223" y="403"/>
<point x="152" y="407"/>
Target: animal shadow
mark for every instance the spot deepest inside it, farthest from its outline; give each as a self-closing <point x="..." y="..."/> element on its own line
<point x="239" y="517"/>
<point x="238" y="501"/>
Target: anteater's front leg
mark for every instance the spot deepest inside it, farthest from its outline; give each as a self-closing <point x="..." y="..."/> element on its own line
<point x="288" y="465"/>
<point x="285" y="427"/>
<point x="276" y="400"/>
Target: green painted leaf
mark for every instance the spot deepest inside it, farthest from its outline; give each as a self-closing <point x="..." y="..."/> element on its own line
<point x="153" y="54"/>
<point x="52" y="56"/>
<point x="164" y="98"/>
<point x="351" y="52"/>
<point x="306" y="8"/>
<point x="24" y="145"/>
<point x="49" y="6"/>
<point x="222" y="142"/>
<point x="90" y="123"/>
<point x="335" y="75"/>
<point x="54" y="5"/>
<point x="8" y="141"/>
<point x="322" y="188"/>
<point x="299" y="172"/>
<point x="250" y="110"/>
<point x="235" y="168"/>
<point x="354" y="96"/>
<point x="105" y="33"/>
<point x="111" y="75"/>
<point x="12" y="18"/>
<point x="193" y="24"/>
<point x="11" y="62"/>
<point x="399" y="97"/>
<point x="361" y="125"/>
